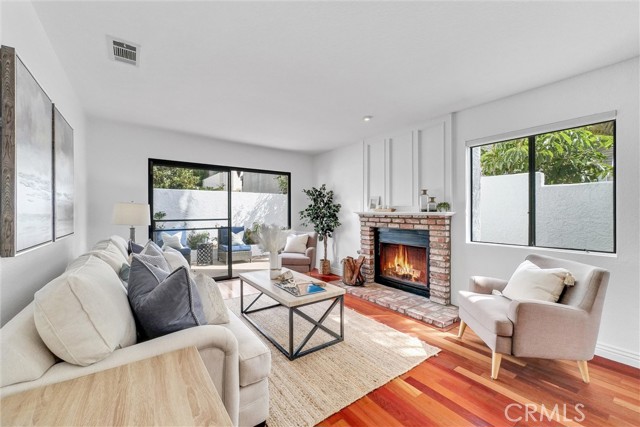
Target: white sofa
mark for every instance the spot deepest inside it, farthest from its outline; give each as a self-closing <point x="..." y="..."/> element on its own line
<point x="236" y="359"/>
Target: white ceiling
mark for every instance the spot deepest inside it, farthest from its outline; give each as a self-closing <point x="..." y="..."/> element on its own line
<point x="301" y="75"/>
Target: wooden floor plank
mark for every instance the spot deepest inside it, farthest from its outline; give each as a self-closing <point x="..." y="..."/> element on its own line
<point x="455" y="388"/>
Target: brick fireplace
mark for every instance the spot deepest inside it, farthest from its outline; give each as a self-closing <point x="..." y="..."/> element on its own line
<point x="438" y="226"/>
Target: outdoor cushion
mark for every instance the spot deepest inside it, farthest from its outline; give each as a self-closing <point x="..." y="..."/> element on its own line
<point x="255" y="357"/>
<point x="235" y="248"/>
<point x="490" y="310"/>
<point x="293" y="258"/>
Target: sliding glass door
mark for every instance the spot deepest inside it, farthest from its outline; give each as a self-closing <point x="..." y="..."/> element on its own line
<point x="257" y="198"/>
<point x="210" y="213"/>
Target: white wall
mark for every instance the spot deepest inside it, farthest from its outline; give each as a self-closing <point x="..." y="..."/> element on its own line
<point x="118" y="155"/>
<point x="611" y="88"/>
<point x="24" y="274"/>
<point x="342" y="171"/>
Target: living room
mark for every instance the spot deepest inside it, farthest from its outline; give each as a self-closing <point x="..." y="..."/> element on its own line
<point x="564" y="76"/>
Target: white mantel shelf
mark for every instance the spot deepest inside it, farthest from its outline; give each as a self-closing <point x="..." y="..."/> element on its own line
<point x="406" y="214"/>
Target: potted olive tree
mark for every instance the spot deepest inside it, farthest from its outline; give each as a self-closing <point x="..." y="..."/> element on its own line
<point x="322" y="212"/>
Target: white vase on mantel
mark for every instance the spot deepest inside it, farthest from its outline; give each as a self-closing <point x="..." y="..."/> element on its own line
<point x="275" y="265"/>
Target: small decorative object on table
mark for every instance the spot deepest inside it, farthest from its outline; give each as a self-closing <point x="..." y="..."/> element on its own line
<point x="432" y="204"/>
<point x="287" y="282"/>
<point x="272" y="239"/>
<point x="443" y="207"/>
<point x="423" y="200"/>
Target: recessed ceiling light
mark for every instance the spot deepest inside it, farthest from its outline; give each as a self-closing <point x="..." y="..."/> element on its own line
<point x="367" y="118"/>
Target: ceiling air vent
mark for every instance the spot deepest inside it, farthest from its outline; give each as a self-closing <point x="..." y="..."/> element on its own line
<point x="123" y="51"/>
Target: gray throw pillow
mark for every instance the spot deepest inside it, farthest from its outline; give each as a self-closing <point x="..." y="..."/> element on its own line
<point x="163" y="303"/>
<point x="134" y="248"/>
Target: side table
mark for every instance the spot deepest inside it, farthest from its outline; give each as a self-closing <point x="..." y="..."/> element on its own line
<point x="171" y="389"/>
<point x="205" y="254"/>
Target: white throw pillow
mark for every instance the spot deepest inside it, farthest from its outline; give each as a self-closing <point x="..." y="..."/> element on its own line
<point x="532" y="282"/>
<point x="237" y="239"/>
<point x="296" y="243"/>
<point x="111" y="254"/>
<point x="212" y="303"/>
<point x="175" y="259"/>
<point x="172" y="240"/>
<point x="84" y="314"/>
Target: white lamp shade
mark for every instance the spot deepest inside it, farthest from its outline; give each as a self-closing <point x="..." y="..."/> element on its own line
<point x="131" y="214"/>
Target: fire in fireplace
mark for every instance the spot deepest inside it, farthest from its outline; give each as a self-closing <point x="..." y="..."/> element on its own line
<point x="402" y="259"/>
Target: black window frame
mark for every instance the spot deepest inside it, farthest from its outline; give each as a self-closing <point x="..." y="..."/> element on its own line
<point x="228" y="169"/>
<point x="532" y="192"/>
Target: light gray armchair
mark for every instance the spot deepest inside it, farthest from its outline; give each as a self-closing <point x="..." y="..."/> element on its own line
<point x="565" y="330"/>
<point x="305" y="262"/>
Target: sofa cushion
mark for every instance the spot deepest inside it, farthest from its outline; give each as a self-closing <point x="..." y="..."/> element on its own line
<point x="163" y="303"/>
<point x="296" y="243"/>
<point x="212" y="303"/>
<point x="255" y="357"/>
<point x="23" y="354"/>
<point x="490" y="310"/>
<point x="291" y="258"/>
<point x="83" y="315"/>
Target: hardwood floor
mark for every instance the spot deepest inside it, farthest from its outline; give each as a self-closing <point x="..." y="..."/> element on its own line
<point x="455" y="388"/>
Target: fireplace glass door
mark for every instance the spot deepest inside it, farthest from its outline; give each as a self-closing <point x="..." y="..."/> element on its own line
<point x="402" y="259"/>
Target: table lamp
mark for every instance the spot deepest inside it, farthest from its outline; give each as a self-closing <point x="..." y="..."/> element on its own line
<point x="131" y="214"/>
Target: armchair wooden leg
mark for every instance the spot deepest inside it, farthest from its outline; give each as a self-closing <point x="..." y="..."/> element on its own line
<point x="463" y="326"/>
<point x="496" y="358"/>
<point x="584" y="370"/>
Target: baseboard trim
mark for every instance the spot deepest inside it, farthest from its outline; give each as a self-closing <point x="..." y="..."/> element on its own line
<point x="618" y="354"/>
<point x="336" y="270"/>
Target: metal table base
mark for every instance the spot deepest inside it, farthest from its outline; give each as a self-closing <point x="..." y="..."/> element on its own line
<point x="318" y="324"/>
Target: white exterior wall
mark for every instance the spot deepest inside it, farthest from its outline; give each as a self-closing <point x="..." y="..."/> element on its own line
<point x="574" y="216"/>
<point x="247" y="208"/>
<point x="23" y="275"/>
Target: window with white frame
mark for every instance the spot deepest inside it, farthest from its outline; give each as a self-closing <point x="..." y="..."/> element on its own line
<point x="553" y="189"/>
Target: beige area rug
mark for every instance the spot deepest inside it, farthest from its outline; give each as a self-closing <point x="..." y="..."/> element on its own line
<point x="307" y="390"/>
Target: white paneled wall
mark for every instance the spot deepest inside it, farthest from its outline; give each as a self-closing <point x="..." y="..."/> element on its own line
<point x="399" y="164"/>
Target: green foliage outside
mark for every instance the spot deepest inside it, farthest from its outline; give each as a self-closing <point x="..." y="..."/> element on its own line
<point x="283" y="183"/>
<point x="195" y="238"/>
<point x="322" y="212"/>
<point x="180" y="178"/>
<point x="565" y="157"/>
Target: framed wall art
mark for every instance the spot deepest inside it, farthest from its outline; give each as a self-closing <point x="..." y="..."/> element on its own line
<point x="63" y="183"/>
<point x="26" y="209"/>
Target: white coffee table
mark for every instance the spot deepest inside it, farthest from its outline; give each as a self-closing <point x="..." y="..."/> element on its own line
<point x="260" y="281"/>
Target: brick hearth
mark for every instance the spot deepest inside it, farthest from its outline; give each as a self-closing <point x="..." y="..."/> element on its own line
<point x="439" y="227"/>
